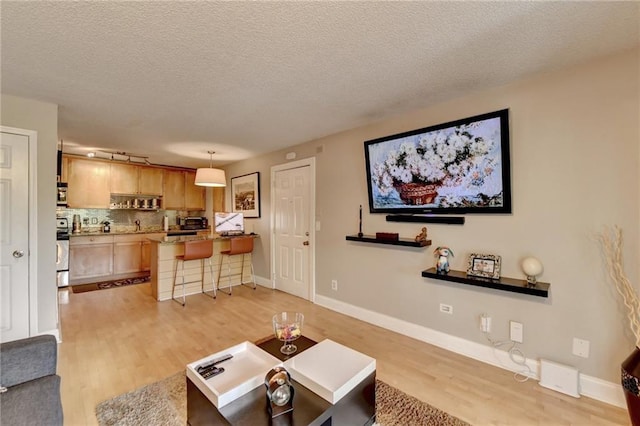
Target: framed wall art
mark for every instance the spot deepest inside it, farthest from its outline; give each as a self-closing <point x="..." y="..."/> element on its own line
<point x="484" y="265"/>
<point x="245" y="194"/>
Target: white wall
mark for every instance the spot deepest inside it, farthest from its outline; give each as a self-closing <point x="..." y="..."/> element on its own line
<point x="43" y="118"/>
<point x="575" y="158"/>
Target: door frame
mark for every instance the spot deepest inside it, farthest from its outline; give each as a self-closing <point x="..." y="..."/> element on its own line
<point x="311" y="163"/>
<point x="33" y="223"/>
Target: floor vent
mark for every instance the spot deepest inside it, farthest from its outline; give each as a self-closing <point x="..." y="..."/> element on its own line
<point x="559" y="377"/>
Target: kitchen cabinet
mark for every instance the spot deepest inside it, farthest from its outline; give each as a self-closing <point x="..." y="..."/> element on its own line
<point x="218" y="199"/>
<point x="150" y="180"/>
<point x="194" y="196"/>
<point x="64" y="169"/>
<point x="127" y="254"/>
<point x="173" y="197"/>
<point x="130" y="179"/>
<point x="180" y="191"/>
<point x="101" y="257"/>
<point x="89" y="183"/>
<point x="90" y="257"/>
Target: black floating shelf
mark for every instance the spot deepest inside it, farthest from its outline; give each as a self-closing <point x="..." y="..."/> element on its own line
<point x="449" y="220"/>
<point x="400" y="242"/>
<point x="505" y="284"/>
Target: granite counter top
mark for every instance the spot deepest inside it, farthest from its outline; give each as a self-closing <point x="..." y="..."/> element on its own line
<point x="184" y="238"/>
<point x="180" y="239"/>
<point x="129" y="231"/>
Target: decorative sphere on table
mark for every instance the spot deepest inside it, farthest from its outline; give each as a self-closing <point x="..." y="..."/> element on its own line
<point x="532" y="267"/>
<point x="287" y="326"/>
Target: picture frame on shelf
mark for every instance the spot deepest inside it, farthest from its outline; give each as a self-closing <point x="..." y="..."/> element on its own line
<point x="245" y="195"/>
<point x="484" y="265"/>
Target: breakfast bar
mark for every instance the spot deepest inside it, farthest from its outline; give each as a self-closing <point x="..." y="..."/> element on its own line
<point x="163" y="263"/>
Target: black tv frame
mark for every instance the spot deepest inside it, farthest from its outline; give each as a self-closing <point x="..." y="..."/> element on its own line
<point x="505" y="172"/>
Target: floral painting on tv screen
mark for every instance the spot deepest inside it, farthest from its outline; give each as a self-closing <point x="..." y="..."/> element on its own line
<point x="456" y="167"/>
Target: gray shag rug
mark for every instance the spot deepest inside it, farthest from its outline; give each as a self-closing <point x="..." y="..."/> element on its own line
<point x="165" y="403"/>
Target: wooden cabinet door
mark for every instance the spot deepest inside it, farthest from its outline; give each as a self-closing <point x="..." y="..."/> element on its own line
<point x="124" y="179"/>
<point x="145" y="260"/>
<point x="127" y="257"/>
<point x="150" y="181"/>
<point x="173" y="198"/>
<point x="89" y="184"/>
<point x="218" y="199"/>
<point x="90" y="260"/>
<point x="65" y="169"/>
<point x="194" y="196"/>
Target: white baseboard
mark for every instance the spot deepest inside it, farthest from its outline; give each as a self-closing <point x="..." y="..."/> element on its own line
<point x="592" y="387"/>
<point x="264" y="282"/>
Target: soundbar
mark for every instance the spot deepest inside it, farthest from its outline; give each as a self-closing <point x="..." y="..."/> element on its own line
<point x="448" y="220"/>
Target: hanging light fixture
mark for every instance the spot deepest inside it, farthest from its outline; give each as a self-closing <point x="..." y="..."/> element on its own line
<point x="210" y="176"/>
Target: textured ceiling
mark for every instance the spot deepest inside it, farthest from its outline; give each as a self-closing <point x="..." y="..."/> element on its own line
<point x="172" y="80"/>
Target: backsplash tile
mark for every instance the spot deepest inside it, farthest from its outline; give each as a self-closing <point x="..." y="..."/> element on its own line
<point x="124" y="220"/>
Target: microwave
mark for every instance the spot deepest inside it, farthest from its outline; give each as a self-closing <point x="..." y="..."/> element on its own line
<point x="193" y="222"/>
<point x="62" y="194"/>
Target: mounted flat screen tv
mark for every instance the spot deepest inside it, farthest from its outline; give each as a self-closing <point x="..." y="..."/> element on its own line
<point x="451" y="168"/>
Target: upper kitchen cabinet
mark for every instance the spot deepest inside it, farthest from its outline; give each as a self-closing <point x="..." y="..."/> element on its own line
<point x="89" y="183"/>
<point x="130" y="179"/>
<point x="180" y="191"/>
<point x="218" y="199"/>
<point x="173" y="197"/>
<point x="150" y="180"/>
<point x="194" y="196"/>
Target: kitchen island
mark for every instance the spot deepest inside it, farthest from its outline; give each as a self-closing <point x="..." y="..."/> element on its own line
<point x="163" y="263"/>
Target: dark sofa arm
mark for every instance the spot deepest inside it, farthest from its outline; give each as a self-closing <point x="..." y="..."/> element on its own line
<point x="27" y="359"/>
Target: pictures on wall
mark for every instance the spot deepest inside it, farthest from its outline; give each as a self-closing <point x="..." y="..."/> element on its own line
<point x="484" y="265"/>
<point x="245" y="195"/>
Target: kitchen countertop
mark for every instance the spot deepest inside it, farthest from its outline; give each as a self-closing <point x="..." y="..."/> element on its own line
<point x="94" y="232"/>
<point x="182" y="239"/>
<point x="179" y="239"/>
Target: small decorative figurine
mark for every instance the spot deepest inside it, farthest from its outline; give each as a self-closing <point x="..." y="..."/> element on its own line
<point x="422" y="236"/>
<point x="442" y="265"/>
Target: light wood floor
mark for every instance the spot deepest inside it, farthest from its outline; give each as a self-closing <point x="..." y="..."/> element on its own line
<point x="119" y="339"/>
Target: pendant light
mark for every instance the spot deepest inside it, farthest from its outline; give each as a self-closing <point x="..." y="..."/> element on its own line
<point x="211" y="176"/>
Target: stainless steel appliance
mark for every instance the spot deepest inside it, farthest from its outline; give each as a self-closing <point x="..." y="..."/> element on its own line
<point x="62" y="252"/>
<point x="62" y="194"/>
<point x="193" y="222"/>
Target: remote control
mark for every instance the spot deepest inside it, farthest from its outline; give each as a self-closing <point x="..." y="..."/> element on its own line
<point x="213" y="362"/>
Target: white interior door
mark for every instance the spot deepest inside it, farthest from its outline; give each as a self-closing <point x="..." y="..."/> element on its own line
<point x="292" y="233"/>
<point x="14" y="236"/>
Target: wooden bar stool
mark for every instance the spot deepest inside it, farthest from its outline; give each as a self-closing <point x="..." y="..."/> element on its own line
<point x="194" y="250"/>
<point x="238" y="246"/>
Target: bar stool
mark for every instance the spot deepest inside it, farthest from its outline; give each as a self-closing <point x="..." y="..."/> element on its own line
<point x="194" y="250"/>
<point x="237" y="246"/>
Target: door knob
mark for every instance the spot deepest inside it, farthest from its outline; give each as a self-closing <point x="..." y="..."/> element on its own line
<point x="306" y="243"/>
<point x="18" y="254"/>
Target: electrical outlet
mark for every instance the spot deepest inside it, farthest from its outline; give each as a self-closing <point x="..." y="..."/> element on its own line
<point x="516" y="331"/>
<point x="485" y="323"/>
<point x="581" y="347"/>
<point x="334" y="285"/>
<point x="447" y="309"/>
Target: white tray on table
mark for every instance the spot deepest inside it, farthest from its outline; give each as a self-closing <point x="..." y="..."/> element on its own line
<point x="330" y="370"/>
<point x="242" y="373"/>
